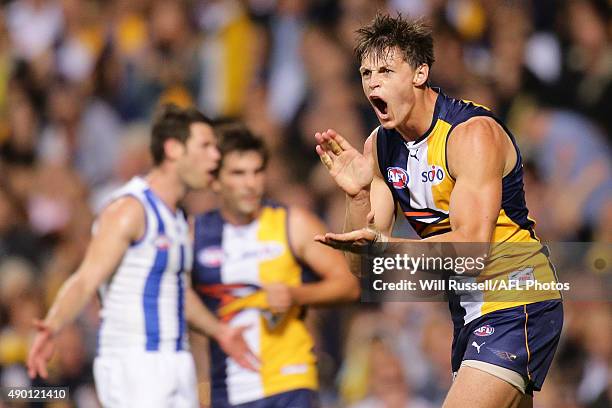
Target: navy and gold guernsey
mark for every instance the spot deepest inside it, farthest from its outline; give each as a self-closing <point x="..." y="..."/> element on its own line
<point x="231" y="265"/>
<point x="417" y="175"/>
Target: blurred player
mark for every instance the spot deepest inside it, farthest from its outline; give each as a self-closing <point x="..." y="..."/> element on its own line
<point x="250" y="260"/>
<point x="456" y="174"/>
<point x="137" y="259"/>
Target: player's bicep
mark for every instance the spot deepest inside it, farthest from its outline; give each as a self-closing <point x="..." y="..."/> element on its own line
<point x="477" y="154"/>
<point x="474" y="208"/>
<point x="120" y="224"/>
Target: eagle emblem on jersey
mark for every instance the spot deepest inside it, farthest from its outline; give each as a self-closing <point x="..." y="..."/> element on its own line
<point x="398" y="177"/>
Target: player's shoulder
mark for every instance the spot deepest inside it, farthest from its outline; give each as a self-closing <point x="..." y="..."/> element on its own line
<point x="302" y="221"/>
<point x="455" y="111"/>
<point x="125" y="215"/>
<point x="134" y="187"/>
<point x="478" y="130"/>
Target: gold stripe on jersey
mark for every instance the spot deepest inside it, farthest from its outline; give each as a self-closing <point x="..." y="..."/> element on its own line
<point x="287" y="360"/>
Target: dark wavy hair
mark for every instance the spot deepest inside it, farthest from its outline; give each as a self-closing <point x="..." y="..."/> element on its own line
<point x="385" y="33"/>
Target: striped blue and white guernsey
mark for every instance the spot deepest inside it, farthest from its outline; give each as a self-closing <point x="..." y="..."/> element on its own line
<point x="143" y="301"/>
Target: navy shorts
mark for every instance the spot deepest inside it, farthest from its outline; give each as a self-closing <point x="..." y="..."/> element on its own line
<point x="301" y="398"/>
<point x="522" y="339"/>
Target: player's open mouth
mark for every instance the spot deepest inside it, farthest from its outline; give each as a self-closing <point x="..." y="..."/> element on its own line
<point x="379" y="104"/>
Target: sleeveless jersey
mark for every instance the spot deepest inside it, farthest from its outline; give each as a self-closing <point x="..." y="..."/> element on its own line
<point x="143" y="301"/>
<point x="418" y="177"/>
<point x="232" y="263"/>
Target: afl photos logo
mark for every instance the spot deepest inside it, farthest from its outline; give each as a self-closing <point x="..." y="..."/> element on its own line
<point x="397" y="177"/>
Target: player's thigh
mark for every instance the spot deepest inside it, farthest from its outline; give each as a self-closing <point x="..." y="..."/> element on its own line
<point x="186" y="395"/>
<point x="474" y="388"/>
<point x="110" y="386"/>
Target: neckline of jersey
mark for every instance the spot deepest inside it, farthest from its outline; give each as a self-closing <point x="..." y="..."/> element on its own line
<point x="434" y="120"/>
<point x="176" y="214"/>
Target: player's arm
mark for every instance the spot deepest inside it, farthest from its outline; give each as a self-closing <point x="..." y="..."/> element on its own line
<point x="229" y="338"/>
<point x="120" y="224"/>
<point x="373" y="206"/>
<point x="369" y="202"/>
<point x="477" y="157"/>
<point x="476" y="153"/>
<point x="336" y="283"/>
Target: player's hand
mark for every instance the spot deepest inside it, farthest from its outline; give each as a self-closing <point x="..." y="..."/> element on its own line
<point x="41" y="351"/>
<point x="233" y="344"/>
<point x="279" y="297"/>
<point x="351" y="170"/>
<point x="358" y="242"/>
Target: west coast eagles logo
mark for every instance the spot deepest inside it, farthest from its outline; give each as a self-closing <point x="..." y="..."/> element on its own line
<point x="397" y="177"/>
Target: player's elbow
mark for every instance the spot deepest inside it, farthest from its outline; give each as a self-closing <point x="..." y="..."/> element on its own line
<point x="475" y="233"/>
<point x="354" y="291"/>
<point x="351" y="290"/>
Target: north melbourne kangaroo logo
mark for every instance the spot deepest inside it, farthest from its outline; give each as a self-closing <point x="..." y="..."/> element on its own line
<point x="477" y="346"/>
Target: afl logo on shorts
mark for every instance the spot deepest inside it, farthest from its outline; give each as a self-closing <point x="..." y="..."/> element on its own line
<point x="484" y="331"/>
<point x="162" y="242"/>
<point x="397" y="177"/>
<point x="211" y="257"/>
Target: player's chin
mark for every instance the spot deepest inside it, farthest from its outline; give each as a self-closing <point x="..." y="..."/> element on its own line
<point x="202" y="183"/>
<point x="387" y="122"/>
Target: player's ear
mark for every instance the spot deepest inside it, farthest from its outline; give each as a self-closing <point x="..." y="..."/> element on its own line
<point x="173" y="149"/>
<point x="420" y="75"/>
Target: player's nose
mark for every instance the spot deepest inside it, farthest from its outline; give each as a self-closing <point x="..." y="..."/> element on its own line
<point x="215" y="154"/>
<point x="374" y="82"/>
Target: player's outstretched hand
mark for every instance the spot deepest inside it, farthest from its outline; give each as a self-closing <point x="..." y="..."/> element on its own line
<point x="359" y="241"/>
<point x="351" y="170"/>
<point x="232" y="342"/>
<point x="41" y="351"/>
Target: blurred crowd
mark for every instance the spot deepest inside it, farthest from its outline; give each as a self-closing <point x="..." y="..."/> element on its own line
<point x="80" y="79"/>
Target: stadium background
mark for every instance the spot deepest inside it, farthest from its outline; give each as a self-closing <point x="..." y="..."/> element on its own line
<point x="79" y="80"/>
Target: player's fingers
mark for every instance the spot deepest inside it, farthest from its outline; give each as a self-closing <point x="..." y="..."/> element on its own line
<point x="41" y="368"/>
<point x="248" y="364"/>
<point x="319" y="138"/>
<point x="31" y="368"/>
<point x="339" y="139"/>
<point x="38" y="324"/>
<point x="334" y="147"/>
<point x="325" y="158"/>
<point x="248" y="359"/>
<point x="254" y="360"/>
<point x="345" y="237"/>
<point x="242" y="328"/>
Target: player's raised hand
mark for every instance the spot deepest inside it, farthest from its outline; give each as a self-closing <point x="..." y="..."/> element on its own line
<point x="351" y="169"/>
<point x="233" y="344"/>
<point x="41" y="351"/>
